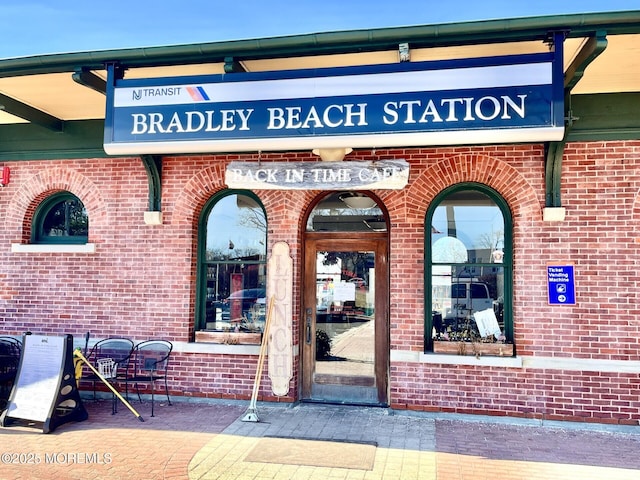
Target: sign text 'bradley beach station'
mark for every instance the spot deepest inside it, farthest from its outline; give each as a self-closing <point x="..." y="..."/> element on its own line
<point x="482" y="100"/>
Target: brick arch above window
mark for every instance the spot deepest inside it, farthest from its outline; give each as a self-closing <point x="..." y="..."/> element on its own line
<point x="35" y="189"/>
<point x="196" y="193"/>
<point x="484" y="169"/>
<point x="635" y="212"/>
<point x="282" y="207"/>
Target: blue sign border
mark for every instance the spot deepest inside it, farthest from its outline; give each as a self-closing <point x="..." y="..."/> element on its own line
<point x="373" y="113"/>
<point x="561" y="284"/>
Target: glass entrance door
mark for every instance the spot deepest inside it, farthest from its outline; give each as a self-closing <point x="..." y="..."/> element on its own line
<point x="345" y="325"/>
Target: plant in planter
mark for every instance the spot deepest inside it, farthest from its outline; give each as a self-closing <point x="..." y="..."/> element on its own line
<point x="323" y="345"/>
<point x="230" y="336"/>
<point x="469" y="342"/>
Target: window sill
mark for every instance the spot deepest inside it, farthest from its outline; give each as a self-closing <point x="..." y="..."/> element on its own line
<point x="229" y="338"/>
<point x="483" y="360"/>
<point x="53" y="248"/>
<point x="448" y="359"/>
<point x="215" y="348"/>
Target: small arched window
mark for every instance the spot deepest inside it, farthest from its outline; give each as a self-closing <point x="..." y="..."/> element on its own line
<point x="60" y="218"/>
<point x="232" y="251"/>
<point x="468" y="266"/>
<point x="347" y="212"/>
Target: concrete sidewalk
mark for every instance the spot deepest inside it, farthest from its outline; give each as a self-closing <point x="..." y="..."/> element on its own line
<point x="209" y="441"/>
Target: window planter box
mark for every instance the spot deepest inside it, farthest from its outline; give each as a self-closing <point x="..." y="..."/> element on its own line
<point x="474" y="348"/>
<point x="229" y="338"/>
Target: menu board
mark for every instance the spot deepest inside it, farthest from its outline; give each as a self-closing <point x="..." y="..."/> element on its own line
<point x="45" y="391"/>
<point x="38" y="379"/>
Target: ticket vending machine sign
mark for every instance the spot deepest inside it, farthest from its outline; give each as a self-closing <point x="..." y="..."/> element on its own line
<point x="561" y="284"/>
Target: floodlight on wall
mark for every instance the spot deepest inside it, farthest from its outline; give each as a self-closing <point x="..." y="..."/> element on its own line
<point x="332" y="154"/>
<point x="357" y="200"/>
<point x="403" y="52"/>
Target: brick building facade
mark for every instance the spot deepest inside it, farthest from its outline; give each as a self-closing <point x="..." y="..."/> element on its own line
<point x="572" y="362"/>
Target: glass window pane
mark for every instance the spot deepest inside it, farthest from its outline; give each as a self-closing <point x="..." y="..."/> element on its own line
<point x="467" y="226"/>
<point x="345" y="300"/>
<point x="468" y="270"/>
<point x="61" y="218"/>
<point x="456" y="294"/>
<point x="234" y="265"/>
<point x="347" y="212"/>
<point x="236" y="297"/>
<point x="236" y="230"/>
<point x="66" y="218"/>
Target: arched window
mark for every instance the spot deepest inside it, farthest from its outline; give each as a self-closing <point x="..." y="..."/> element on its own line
<point x="468" y="266"/>
<point x="347" y="212"/>
<point x="60" y="218"/>
<point x="232" y="250"/>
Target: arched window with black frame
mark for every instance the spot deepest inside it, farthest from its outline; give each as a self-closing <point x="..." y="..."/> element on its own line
<point x="60" y="219"/>
<point x="232" y="273"/>
<point x="468" y="267"/>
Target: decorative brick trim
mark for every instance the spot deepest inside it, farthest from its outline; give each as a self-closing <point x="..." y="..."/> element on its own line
<point x="34" y="190"/>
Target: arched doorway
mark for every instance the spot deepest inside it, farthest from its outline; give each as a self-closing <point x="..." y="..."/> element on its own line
<point x="345" y="310"/>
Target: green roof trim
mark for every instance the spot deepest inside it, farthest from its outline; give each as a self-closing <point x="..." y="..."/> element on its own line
<point x="448" y="34"/>
<point x="25" y="141"/>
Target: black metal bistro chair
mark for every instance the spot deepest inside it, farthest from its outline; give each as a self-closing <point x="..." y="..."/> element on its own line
<point x="111" y="358"/>
<point x="10" y="351"/>
<point x="149" y="364"/>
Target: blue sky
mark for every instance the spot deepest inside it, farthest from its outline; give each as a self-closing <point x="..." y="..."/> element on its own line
<point x="38" y="27"/>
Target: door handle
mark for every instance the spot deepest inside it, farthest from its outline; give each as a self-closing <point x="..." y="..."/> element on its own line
<point x="308" y="318"/>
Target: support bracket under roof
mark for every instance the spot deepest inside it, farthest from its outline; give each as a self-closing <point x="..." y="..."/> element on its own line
<point x="592" y="48"/>
<point x="554" y="151"/>
<point x="31" y="114"/>
<point x="87" y="78"/>
<point x="153" y="166"/>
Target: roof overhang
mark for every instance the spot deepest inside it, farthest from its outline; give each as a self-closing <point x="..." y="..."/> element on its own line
<point x="55" y="91"/>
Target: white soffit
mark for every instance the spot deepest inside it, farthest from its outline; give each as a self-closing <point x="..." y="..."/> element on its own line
<point x="56" y="94"/>
<point x="616" y="70"/>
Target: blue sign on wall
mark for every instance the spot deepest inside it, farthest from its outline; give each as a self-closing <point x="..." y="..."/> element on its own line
<point x="472" y="101"/>
<point x="561" y="285"/>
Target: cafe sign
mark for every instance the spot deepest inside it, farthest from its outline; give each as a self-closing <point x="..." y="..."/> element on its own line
<point x="471" y="101"/>
<point x="382" y="174"/>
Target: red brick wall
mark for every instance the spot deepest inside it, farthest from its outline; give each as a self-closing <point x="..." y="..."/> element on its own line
<point x="141" y="280"/>
<point x="600" y="186"/>
<point x="532" y="393"/>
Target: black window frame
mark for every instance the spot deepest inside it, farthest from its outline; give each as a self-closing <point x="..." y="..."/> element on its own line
<point x="506" y="264"/>
<point x="47" y="206"/>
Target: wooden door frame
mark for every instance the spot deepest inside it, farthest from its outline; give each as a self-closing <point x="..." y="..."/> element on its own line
<point x="365" y="241"/>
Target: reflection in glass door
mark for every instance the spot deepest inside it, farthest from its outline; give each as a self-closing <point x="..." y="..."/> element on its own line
<point x="345" y="314"/>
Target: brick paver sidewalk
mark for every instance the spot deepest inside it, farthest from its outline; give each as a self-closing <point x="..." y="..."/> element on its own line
<point x="185" y="441"/>
<point x="114" y="447"/>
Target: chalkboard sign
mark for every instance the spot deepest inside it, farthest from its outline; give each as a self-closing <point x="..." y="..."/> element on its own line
<point x="45" y="391"/>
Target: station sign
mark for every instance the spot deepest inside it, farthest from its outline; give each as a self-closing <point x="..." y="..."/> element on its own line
<point x="472" y="101"/>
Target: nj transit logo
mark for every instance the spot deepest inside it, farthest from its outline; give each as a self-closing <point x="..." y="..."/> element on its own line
<point x="197" y="94"/>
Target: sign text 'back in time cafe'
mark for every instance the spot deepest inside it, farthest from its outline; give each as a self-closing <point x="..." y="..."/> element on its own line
<point x="472" y="101"/>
